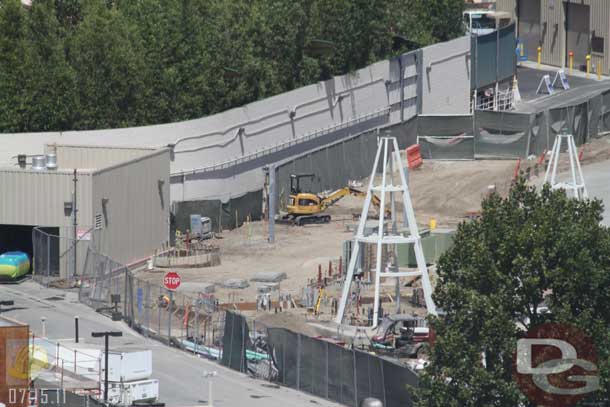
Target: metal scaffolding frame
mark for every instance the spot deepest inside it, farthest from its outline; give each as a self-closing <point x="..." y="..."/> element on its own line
<point x="576" y="184"/>
<point x="388" y="146"/>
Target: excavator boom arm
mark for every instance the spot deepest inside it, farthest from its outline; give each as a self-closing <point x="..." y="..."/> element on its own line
<point x="331" y="199"/>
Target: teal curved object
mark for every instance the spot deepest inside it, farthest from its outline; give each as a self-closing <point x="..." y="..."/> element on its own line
<point x="14" y="265"/>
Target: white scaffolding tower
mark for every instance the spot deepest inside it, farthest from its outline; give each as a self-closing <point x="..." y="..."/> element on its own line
<point x="388" y="147"/>
<point x="576" y="184"/>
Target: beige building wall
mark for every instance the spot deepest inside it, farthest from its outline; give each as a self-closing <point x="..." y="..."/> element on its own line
<point x="553" y="35"/>
<point x="36" y="198"/>
<point x="132" y="201"/>
<point x="93" y="157"/>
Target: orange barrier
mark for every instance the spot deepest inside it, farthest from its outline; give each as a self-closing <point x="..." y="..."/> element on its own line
<point x="414" y="159"/>
<point x="542" y="157"/>
<point x="517" y="168"/>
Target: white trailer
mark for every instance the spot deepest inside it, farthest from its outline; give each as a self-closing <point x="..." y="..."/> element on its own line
<point x="126" y="393"/>
<point x="123" y="365"/>
<point x="129" y="365"/>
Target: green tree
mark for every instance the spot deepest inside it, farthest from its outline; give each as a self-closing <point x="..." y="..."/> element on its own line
<point x="526" y="248"/>
<point x="16" y="67"/>
<point x="90" y="64"/>
<point x="52" y="89"/>
<point x="106" y="56"/>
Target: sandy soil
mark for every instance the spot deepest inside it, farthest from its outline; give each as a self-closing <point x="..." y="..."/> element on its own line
<point x="444" y="190"/>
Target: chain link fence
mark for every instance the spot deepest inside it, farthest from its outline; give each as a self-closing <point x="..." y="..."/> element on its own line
<point x="60" y="256"/>
<point x="196" y="323"/>
<point x="184" y="320"/>
<point x="324" y="368"/>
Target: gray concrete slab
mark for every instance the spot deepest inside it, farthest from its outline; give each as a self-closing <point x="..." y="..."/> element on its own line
<point x="597" y="180"/>
<point x="180" y="374"/>
<point x="580" y="90"/>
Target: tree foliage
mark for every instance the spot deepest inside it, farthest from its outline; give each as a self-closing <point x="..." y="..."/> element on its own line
<point x="88" y="64"/>
<point x="530" y="247"/>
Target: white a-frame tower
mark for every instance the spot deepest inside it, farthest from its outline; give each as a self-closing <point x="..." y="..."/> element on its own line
<point x="388" y="152"/>
<point x="576" y="183"/>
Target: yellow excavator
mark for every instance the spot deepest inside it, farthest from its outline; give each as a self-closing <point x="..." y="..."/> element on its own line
<point x="307" y="208"/>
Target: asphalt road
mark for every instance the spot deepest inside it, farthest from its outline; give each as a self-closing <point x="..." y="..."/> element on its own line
<point x="180" y="374"/>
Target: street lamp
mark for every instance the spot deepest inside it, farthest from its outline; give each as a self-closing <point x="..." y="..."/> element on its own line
<point x="210" y="375"/>
<point x="106" y="335"/>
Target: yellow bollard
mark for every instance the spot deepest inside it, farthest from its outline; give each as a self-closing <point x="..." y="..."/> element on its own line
<point x="432" y="224"/>
<point x="539" y="56"/>
<point x="588" y="65"/>
<point x="571" y="55"/>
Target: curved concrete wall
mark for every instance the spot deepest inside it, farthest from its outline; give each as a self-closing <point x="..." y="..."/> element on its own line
<point x="379" y="95"/>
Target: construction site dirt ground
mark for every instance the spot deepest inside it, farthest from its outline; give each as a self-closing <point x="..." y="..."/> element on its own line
<point x="443" y="190"/>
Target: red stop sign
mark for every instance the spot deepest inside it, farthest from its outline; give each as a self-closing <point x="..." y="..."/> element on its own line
<point x="171" y="281"/>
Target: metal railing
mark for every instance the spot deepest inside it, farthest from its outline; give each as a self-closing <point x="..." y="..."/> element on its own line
<point x="112" y="288"/>
<point x="283" y="145"/>
<point x="502" y="101"/>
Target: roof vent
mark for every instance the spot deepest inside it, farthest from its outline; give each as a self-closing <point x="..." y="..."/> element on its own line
<point x="51" y="161"/>
<point x="39" y="162"/>
<point x="21" y="160"/>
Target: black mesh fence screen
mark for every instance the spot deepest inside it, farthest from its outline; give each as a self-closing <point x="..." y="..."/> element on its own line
<point x="338" y="374"/>
<point x="335" y="165"/>
<point x="225" y="215"/>
<point x="580" y="124"/>
<point x="594" y="116"/>
<point x="335" y="374"/>
<point x="495" y="57"/>
<point x="368" y="378"/>
<point x="348" y="378"/>
<point x="397" y="381"/>
<point x="235" y="342"/>
<point x="539" y="135"/>
<point x="501" y="134"/>
<point x="486" y="66"/>
<point x="446" y="137"/>
<point x="605" y="112"/>
<point x="507" y="64"/>
<point x="486" y="134"/>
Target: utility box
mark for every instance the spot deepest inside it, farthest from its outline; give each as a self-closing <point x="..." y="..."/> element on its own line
<point x="127" y="393"/>
<point x="434" y="244"/>
<point x="201" y="227"/>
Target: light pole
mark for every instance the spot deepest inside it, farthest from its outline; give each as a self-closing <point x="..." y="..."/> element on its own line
<point x="210" y="376"/>
<point x="106" y="335"/>
<point x="43" y="325"/>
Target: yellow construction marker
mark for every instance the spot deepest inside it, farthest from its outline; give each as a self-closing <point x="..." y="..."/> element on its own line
<point x="588" y="65"/>
<point x="539" y="56"/>
<point x="571" y="56"/>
